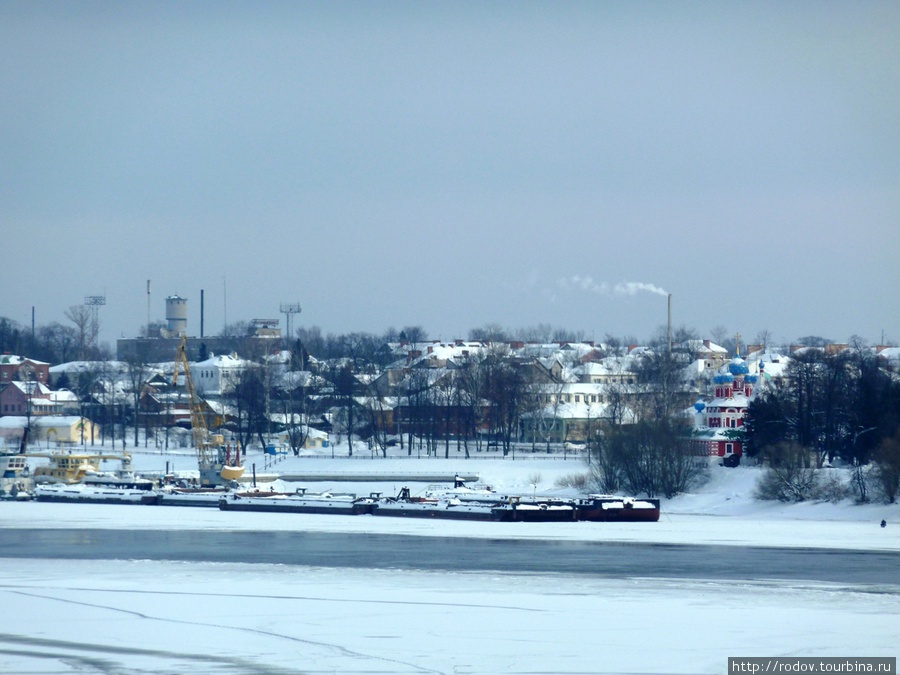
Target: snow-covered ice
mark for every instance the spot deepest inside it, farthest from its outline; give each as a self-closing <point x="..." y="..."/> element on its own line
<point x="163" y="617"/>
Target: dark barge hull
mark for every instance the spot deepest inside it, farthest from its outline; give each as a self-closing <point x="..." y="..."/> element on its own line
<point x="436" y="512"/>
<point x="284" y="506"/>
<point x="514" y="514"/>
<point x="615" y="511"/>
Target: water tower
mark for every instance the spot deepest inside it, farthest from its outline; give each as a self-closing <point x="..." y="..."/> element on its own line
<point x="176" y="314"/>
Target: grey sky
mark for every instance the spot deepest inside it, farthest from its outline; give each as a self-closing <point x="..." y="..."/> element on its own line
<point x="450" y="164"/>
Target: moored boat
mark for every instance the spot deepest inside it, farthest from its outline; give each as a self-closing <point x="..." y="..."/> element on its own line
<point x="325" y="502"/>
<point x="61" y="492"/>
<point x="535" y="511"/>
<point x="609" y="508"/>
<point x="123" y="477"/>
<point x="182" y="496"/>
<point x="443" y="509"/>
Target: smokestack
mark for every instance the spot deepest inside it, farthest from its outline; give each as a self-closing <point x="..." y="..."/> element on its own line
<point x="201" y="312"/>
<point x="148" y="308"/>
<point x="669" y="332"/>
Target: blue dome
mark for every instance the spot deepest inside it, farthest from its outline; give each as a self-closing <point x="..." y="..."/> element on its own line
<point x="699" y="406"/>
<point x="738" y="367"/>
<point x="723" y="378"/>
<point x="751" y="379"/>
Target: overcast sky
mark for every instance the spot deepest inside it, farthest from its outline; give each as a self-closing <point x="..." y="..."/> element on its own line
<point x="450" y="164"/>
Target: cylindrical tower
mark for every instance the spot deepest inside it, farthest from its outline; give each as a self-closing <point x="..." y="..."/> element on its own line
<point x="176" y="314"/>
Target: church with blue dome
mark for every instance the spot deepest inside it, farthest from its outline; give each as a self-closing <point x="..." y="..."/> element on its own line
<point x="719" y="423"/>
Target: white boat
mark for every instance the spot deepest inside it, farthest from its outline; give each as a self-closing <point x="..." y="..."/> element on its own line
<point x="185" y="496"/>
<point x="61" y="492"/>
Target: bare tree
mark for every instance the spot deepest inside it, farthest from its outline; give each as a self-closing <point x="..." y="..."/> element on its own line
<point x="80" y="315"/>
<point x="489" y="332"/>
<point x="136" y="374"/>
<point x="764" y="338"/>
<point x="887" y="467"/>
<point x="413" y="334"/>
<point x="540" y="333"/>
<point x="60" y="342"/>
<point x="248" y="397"/>
<point x="651" y="456"/>
<point x="615" y="346"/>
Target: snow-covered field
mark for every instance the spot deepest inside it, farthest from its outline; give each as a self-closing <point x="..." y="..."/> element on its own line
<point x="134" y="616"/>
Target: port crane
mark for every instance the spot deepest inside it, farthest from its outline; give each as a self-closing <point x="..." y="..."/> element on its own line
<point x="217" y="464"/>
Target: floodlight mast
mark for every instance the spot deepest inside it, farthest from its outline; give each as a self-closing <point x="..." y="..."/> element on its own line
<point x="289" y="309"/>
<point x="94" y="303"/>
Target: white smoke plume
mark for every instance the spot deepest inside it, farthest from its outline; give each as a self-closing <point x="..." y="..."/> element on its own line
<point x="633" y="287"/>
<point x="587" y="284"/>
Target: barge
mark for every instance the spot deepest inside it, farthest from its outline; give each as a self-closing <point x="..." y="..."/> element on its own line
<point x="325" y="502"/>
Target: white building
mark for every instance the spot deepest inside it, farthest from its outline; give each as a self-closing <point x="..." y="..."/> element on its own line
<point x="217" y="374"/>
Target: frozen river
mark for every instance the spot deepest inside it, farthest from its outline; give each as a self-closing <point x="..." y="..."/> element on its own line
<point x="123" y="590"/>
<point x="362" y="550"/>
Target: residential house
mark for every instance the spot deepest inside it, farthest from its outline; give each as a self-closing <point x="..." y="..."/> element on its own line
<point x="218" y="374"/>
<point x="26" y="398"/>
<point x="23" y="369"/>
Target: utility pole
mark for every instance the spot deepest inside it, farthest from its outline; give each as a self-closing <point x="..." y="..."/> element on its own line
<point x="225" y="303"/>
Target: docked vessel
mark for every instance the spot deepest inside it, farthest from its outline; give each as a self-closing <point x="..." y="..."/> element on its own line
<point x="302" y="502"/>
<point x="610" y="508"/>
<point x="183" y="496"/>
<point x="68" y="468"/>
<point x="62" y="492"/>
<point x="433" y="505"/>
<point x="123" y="477"/>
<point x="535" y="510"/>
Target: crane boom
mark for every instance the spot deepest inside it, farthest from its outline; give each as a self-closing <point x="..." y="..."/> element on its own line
<point x="213" y="459"/>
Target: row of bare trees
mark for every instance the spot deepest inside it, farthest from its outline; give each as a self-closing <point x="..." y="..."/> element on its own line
<point x="55" y="342"/>
<point x="831" y="406"/>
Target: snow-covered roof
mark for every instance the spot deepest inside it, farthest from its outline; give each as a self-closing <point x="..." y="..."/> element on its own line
<point x="63" y="395"/>
<point x="15" y="360"/>
<point x="772" y="363"/>
<point x="89" y="367"/>
<point x="890" y="354"/>
<point x="582" y="411"/>
<point x="48" y="421"/>
<point x="31" y="388"/>
<point x="300" y="378"/>
<point x="703" y="346"/>
<point x="223" y="361"/>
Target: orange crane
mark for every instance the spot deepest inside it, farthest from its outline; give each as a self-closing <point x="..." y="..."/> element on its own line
<point x="214" y="458"/>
